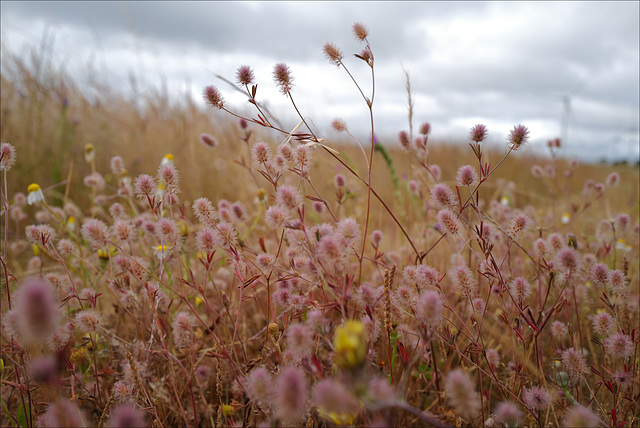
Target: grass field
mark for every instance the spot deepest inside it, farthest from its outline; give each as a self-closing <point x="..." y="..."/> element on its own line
<point x="164" y="265"/>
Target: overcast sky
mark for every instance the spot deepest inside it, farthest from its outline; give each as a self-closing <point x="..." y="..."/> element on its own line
<point x="496" y="63"/>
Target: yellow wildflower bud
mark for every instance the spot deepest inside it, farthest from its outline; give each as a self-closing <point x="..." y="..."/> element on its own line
<point x="350" y="344"/>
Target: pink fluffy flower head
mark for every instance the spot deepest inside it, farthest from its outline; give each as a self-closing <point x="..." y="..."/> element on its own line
<point x="183" y="331"/>
<point x="536" y="398"/>
<point x="466" y="176"/>
<point x="291" y="394"/>
<point x="575" y="364"/>
<point x="96" y="233"/>
<point x="244" y="75"/>
<point x="144" y="186"/>
<point x="208" y="140"/>
<point x="603" y="324"/>
<point x="260" y="384"/>
<point x="126" y="415"/>
<point x="461" y="394"/>
<point x="212" y="95"/>
<point x="429" y="308"/>
<point x="7" y="156"/>
<point x="282" y="77"/>
<point x="478" y="133"/>
<point x="442" y="196"/>
<point x="360" y="31"/>
<point x="448" y="220"/>
<point x="619" y="345"/>
<point x="40" y="234"/>
<point x="333" y="53"/>
<point x="37" y="310"/>
<point x="509" y="413"/>
<point x="288" y="198"/>
<point x="518" y="137"/>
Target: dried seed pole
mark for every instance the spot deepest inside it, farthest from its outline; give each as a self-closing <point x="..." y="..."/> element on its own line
<point x="388" y="281"/>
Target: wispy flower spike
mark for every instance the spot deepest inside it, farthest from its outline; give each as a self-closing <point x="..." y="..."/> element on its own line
<point x="360" y="31"/>
<point x="212" y="95"/>
<point x="333" y="53"/>
<point x="518" y="136"/>
<point x="283" y="78"/>
<point x="245" y="75"/>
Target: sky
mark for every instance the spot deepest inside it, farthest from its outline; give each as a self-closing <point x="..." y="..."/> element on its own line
<point x="540" y="64"/>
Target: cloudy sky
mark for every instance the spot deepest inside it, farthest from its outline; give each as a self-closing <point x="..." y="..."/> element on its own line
<point x="496" y="63"/>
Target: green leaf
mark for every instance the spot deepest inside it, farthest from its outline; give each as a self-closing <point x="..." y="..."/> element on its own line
<point x="22" y="415"/>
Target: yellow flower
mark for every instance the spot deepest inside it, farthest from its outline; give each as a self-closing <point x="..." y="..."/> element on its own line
<point x="505" y="200"/>
<point x="198" y="301"/>
<point x="168" y="158"/>
<point x="227" y="410"/>
<point x="339" y="419"/>
<point x="36" y="249"/>
<point x="89" y="153"/>
<point x="161" y="251"/>
<point x="71" y="223"/>
<point x="35" y="194"/>
<point x="623" y="246"/>
<point x="565" y="218"/>
<point x="350" y="344"/>
<point x="105" y="254"/>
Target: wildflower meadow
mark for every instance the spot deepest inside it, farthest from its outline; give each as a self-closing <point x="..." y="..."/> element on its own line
<point x="165" y="265"/>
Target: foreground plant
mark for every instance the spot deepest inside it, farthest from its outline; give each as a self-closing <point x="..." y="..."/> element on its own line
<point x="146" y="309"/>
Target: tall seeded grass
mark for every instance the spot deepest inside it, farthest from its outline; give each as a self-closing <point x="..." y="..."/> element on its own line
<point x="165" y="265"/>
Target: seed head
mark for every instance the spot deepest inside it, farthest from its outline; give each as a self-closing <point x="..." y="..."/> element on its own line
<point x="96" y="233"/>
<point x="518" y="137"/>
<point x="40" y="234"/>
<point x="619" y="345"/>
<point x="213" y="97"/>
<point x="580" y="416"/>
<point x="360" y="31"/>
<point x="603" y="324"/>
<point x="283" y="78"/>
<point x="536" y="398"/>
<point x="333" y="53"/>
<point x="425" y="128"/>
<point x="63" y="413"/>
<point x="37" y="310"/>
<point x="7" y="156"/>
<point x="260" y="384"/>
<point x="559" y="330"/>
<point x="183" y="334"/>
<point x="126" y="415"/>
<point x="144" y="186"/>
<point x="245" y="75"/>
<point x="208" y="141"/>
<point x="575" y="364"/>
<point x="613" y="179"/>
<point x="448" y="220"/>
<point x="339" y="125"/>
<point x="509" y="413"/>
<point x="429" y="308"/>
<point x="520" y="288"/>
<point x="88" y="321"/>
<point x="292" y="393"/>
<point x="478" y="133"/>
<point x="461" y="394"/>
<point x="466" y="176"/>
<point x="403" y="136"/>
<point x="335" y="402"/>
